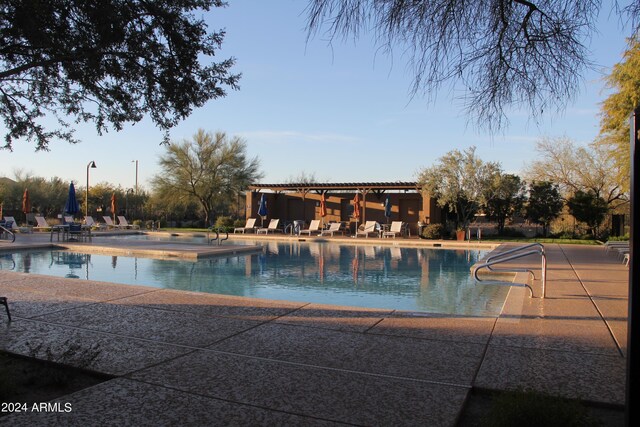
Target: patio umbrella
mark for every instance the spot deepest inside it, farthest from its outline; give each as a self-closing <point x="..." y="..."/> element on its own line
<point x="356" y="209"/>
<point x="114" y="205"/>
<point x="71" y="207"/>
<point x="323" y="207"/>
<point x="387" y="209"/>
<point x="262" y="208"/>
<point x="26" y="201"/>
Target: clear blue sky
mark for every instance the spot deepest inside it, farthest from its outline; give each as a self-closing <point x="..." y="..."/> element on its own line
<point x="341" y="112"/>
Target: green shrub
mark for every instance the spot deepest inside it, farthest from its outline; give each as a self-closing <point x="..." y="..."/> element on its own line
<point x="137" y="222"/>
<point x="433" y="231"/>
<point x="239" y="222"/>
<point x="512" y="232"/>
<point x="224" y="222"/>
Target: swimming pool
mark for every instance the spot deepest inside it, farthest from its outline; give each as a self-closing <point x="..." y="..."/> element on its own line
<point x="415" y="279"/>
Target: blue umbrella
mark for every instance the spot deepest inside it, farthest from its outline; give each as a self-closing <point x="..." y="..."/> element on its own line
<point x="387" y="208"/>
<point x="262" y="209"/>
<point x="71" y="207"/>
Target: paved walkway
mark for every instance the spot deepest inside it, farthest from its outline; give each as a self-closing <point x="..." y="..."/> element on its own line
<point x="200" y="359"/>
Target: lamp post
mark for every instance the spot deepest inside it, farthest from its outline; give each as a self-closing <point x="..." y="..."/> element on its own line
<point x="136" y="162"/>
<point x="92" y="165"/>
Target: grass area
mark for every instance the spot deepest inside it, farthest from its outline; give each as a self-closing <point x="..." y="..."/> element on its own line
<point x="541" y="240"/>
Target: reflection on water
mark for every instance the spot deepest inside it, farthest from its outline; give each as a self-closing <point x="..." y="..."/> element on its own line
<point x="433" y="280"/>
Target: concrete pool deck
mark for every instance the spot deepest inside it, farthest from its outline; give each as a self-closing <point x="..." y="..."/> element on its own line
<point x="189" y="358"/>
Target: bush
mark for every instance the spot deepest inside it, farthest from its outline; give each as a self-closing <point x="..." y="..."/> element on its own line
<point x="239" y="222"/>
<point x="433" y="232"/>
<point x="512" y="232"/>
<point x="224" y="222"/>
<point x="138" y="223"/>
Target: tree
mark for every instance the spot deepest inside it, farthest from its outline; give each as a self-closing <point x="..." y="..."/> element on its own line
<point x="505" y="198"/>
<point x="210" y="170"/>
<point x="544" y="205"/>
<point x="105" y="61"/>
<point x="587" y="207"/>
<point x="624" y="80"/>
<point x="460" y="182"/>
<point x="504" y="53"/>
<point x="574" y="168"/>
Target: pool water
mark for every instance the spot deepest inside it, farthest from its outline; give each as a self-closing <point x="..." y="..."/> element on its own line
<point x="415" y="279"/>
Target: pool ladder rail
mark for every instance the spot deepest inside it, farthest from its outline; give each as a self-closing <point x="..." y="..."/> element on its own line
<point x="512" y="254"/>
<point x="217" y="239"/>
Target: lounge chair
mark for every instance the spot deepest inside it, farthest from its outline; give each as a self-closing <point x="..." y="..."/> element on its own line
<point x="370" y="227"/>
<point x="90" y="222"/>
<point x="273" y="226"/>
<point x="396" y="229"/>
<point x="123" y="223"/>
<point x="14" y="225"/>
<point x="314" y="227"/>
<point x="334" y="227"/>
<point x="41" y="224"/>
<point x="110" y="223"/>
<point x="250" y="225"/>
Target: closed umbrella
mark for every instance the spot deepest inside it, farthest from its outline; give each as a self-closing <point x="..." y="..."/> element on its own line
<point x="26" y="202"/>
<point x="387" y="209"/>
<point x="71" y="207"/>
<point x="262" y="208"/>
<point x="323" y="207"/>
<point x="356" y="209"/>
<point x="114" y="206"/>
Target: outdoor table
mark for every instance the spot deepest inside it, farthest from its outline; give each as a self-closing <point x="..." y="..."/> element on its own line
<point x="64" y="229"/>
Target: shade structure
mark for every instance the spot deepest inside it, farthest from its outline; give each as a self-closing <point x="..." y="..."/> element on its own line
<point x="387" y="208"/>
<point x="26" y="201"/>
<point x="71" y="207"/>
<point x="114" y="205"/>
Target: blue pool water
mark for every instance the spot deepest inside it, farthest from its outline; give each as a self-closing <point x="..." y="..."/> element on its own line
<point x="416" y="279"/>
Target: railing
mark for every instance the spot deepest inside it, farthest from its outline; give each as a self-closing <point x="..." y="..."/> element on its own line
<point x="6" y="234"/>
<point x="513" y="254"/>
<point x="217" y="238"/>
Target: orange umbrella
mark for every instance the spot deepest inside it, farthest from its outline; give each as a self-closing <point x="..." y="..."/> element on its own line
<point x="114" y="205"/>
<point x="323" y="207"/>
<point x="26" y="201"/>
<point x="356" y="207"/>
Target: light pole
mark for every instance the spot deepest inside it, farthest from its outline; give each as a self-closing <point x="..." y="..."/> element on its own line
<point x="136" y="175"/>
<point x="92" y="165"/>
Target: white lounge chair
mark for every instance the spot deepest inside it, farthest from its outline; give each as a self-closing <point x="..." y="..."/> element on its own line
<point x="90" y="222"/>
<point x="394" y="230"/>
<point x="273" y="226"/>
<point x="42" y="224"/>
<point x="110" y="223"/>
<point x="370" y="227"/>
<point x="314" y="227"/>
<point x="122" y="222"/>
<point x="15" y="227"/>
<point x="334" y="227"/>
<point x="250" y="225"/>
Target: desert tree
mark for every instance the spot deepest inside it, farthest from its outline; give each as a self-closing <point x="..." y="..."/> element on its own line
<point x="210" y="170"/>
<point x="577" y="168"/>
<point x="544" y="204"/>
<point x="624" y="82"/>
<point x="504" y="199"/>
<point x="502" y="53"/>
<point x="589" y="208"/>
<point x="460" y="182"/>
<point x="107" y="62"/>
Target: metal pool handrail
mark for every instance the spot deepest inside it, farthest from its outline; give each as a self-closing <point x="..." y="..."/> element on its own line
<point x="217" y="238"/>
<point x="11" y="235"/>
<point x="513" y="254"/>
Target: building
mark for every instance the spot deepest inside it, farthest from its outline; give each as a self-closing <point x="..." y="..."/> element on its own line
<point x="301" y="201"/>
